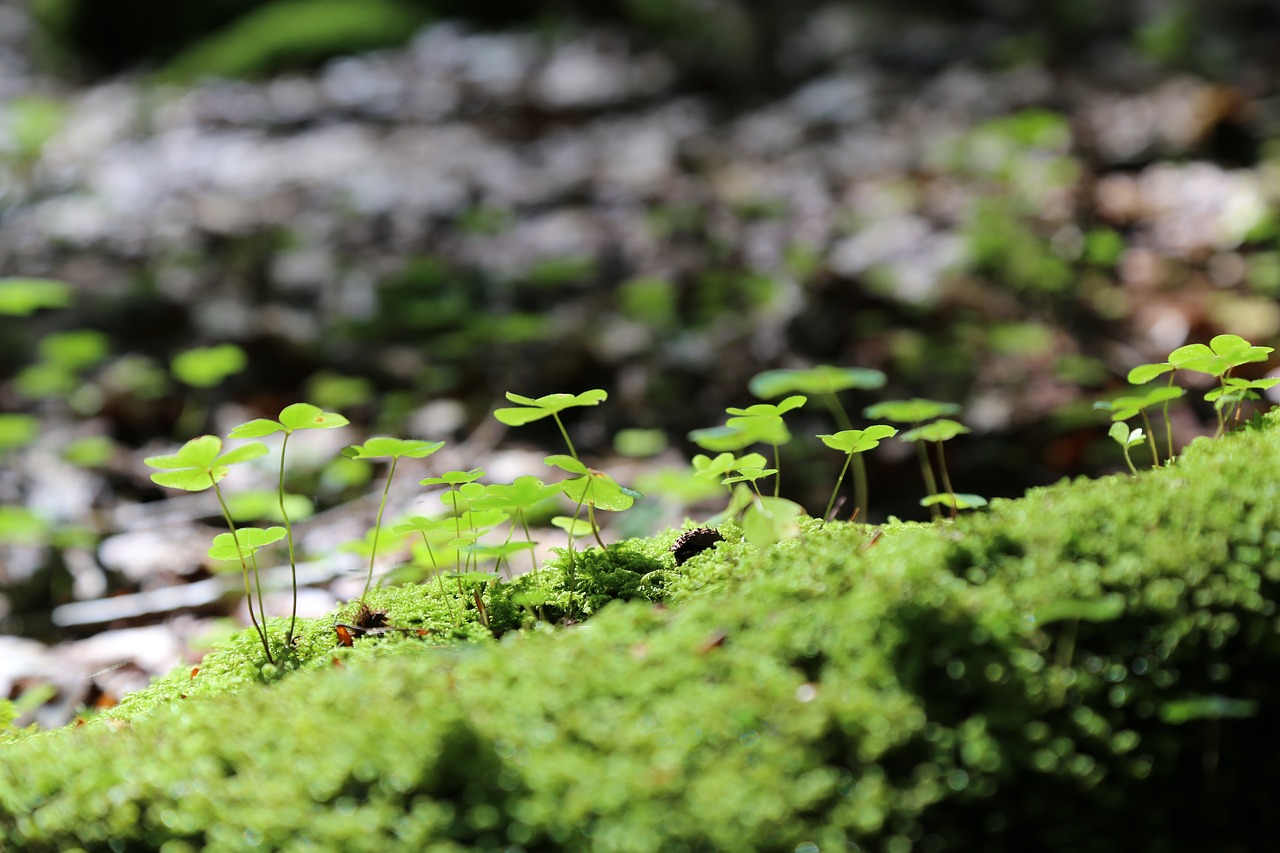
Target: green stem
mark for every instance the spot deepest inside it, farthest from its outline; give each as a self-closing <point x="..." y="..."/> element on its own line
<point x="1168" y="425"/>
<point x="435" y="567"/>
<point x="1151" y="439"/>
<point x="595" y="528"/>
<point x="826" y="516"/>
<point x="1129" y="461"/>
<point x="926" y="471"/>
<point x="777" y="477"/>
<point x="244" y="571"/>
<point x="860" y="500"/>
<point x="565" y="433"/>
<point x="288" y="535"/>
<point x="837" y="410"/>
<point x="377" y="526"/>
<point x="946" y="477"/>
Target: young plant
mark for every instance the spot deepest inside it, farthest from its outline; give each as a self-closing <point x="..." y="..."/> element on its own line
<point x="824" y="381"/>
<point x="198" y="465"/>
<point x="296" y="417"/>
<point x="940" y="431"/>
<point x="761" y="423"/>
<point x="853" y="443"/>
<point x="1124" y="408"/>
<point x="915" y="412"/>
<point x="591" y="488"/>
<point x="1223" y="354"/>
<point x="394" y="449"/>
<point x="1126" y="438"/>
<point x="246" y="542"/>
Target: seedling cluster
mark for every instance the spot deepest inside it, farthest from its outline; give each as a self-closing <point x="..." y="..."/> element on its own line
<point x="1218" y="359"/>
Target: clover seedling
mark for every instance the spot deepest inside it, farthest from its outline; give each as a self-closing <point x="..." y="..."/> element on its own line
<point x="939" y="431"/>
<point x="394" y="449"/>
<point x="551" y="405"/>
<point x="915" y="412"/>
<point x="1126" y="438"/>
<point x="198" y="465"/>
<point x="245" y="542"/>
<point x="518" y="498"/>
<point x="1124" y="408"/>
<point x="298" y="416"/>
<point x="593" y="489"/>
<point x="825" y="381"/>
<point x="1223" y="354"/>
<point x="853" y="443"/>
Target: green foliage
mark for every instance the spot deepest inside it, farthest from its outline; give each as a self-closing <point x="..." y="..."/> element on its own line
<point x="293" y="34"/>
<point x="1031" y="678"/>
<point x="551" y="405"/>
<point x="22" y="297"/>
<point x="205" y="367"/>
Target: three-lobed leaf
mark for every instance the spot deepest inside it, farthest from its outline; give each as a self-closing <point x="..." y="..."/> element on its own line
<point x="382" y="447"/>
<point x="531" y="409"/>
<point x="250" y="539"/>
<point x="292" y="418"/>
<point x="197" y="465"/>
<point x="859" y="440"/>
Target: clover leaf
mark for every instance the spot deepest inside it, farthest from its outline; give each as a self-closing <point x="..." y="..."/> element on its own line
<point x="911" y="411"/>
<point x="853" y="442"/>
<point x="395" y="449"/>
<point x="816" y="380"/>
<point x="531" y="409"/>
<point x="292" y="418"/>
<point x="198" y="466"/>
<point x="248" y="539"/>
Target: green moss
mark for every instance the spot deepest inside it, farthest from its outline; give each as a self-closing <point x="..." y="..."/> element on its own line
<point x="1089" y="667"/>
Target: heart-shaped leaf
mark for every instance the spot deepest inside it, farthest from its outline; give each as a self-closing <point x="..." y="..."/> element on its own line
<point x="205" y="367"/>
<point x="523" y="493"/>
<point x="722" y="439"/>
<point x="1144" y="373"/>
<point x="575" y="527"/>
<point x="770" y="520"/>
<point x="599" y="490"/>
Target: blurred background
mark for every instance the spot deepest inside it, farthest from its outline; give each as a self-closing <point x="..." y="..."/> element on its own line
<point x="402" y="209"/>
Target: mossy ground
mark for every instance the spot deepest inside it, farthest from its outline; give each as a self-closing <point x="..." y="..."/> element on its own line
<point x="1088" y="667"/>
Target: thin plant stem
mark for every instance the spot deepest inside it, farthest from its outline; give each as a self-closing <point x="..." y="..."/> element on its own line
<point x="595" y="528"/>
<point x="1168" y="425"/>
<point x="946" y="477"/>
<point x="836" y="491"/>
<point x="565" y="433"/>
<point x="859" y="467"/>
<point x="777" y="477"/>
<point x="288" y="535"/>
<point x="1129" y="461"/>
<point x="1151" y="439"/>
<point x="439" y="574"/>
<point x="377" y="526"/>
<point x="837" y="410"/>
<point x="244" y="571"/>
<point x="927" y="472"/>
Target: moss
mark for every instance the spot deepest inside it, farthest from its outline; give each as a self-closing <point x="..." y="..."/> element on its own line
<point x="1089" y="666"/>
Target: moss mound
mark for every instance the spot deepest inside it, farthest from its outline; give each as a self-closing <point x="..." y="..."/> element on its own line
<point x="1089" y="667"/>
